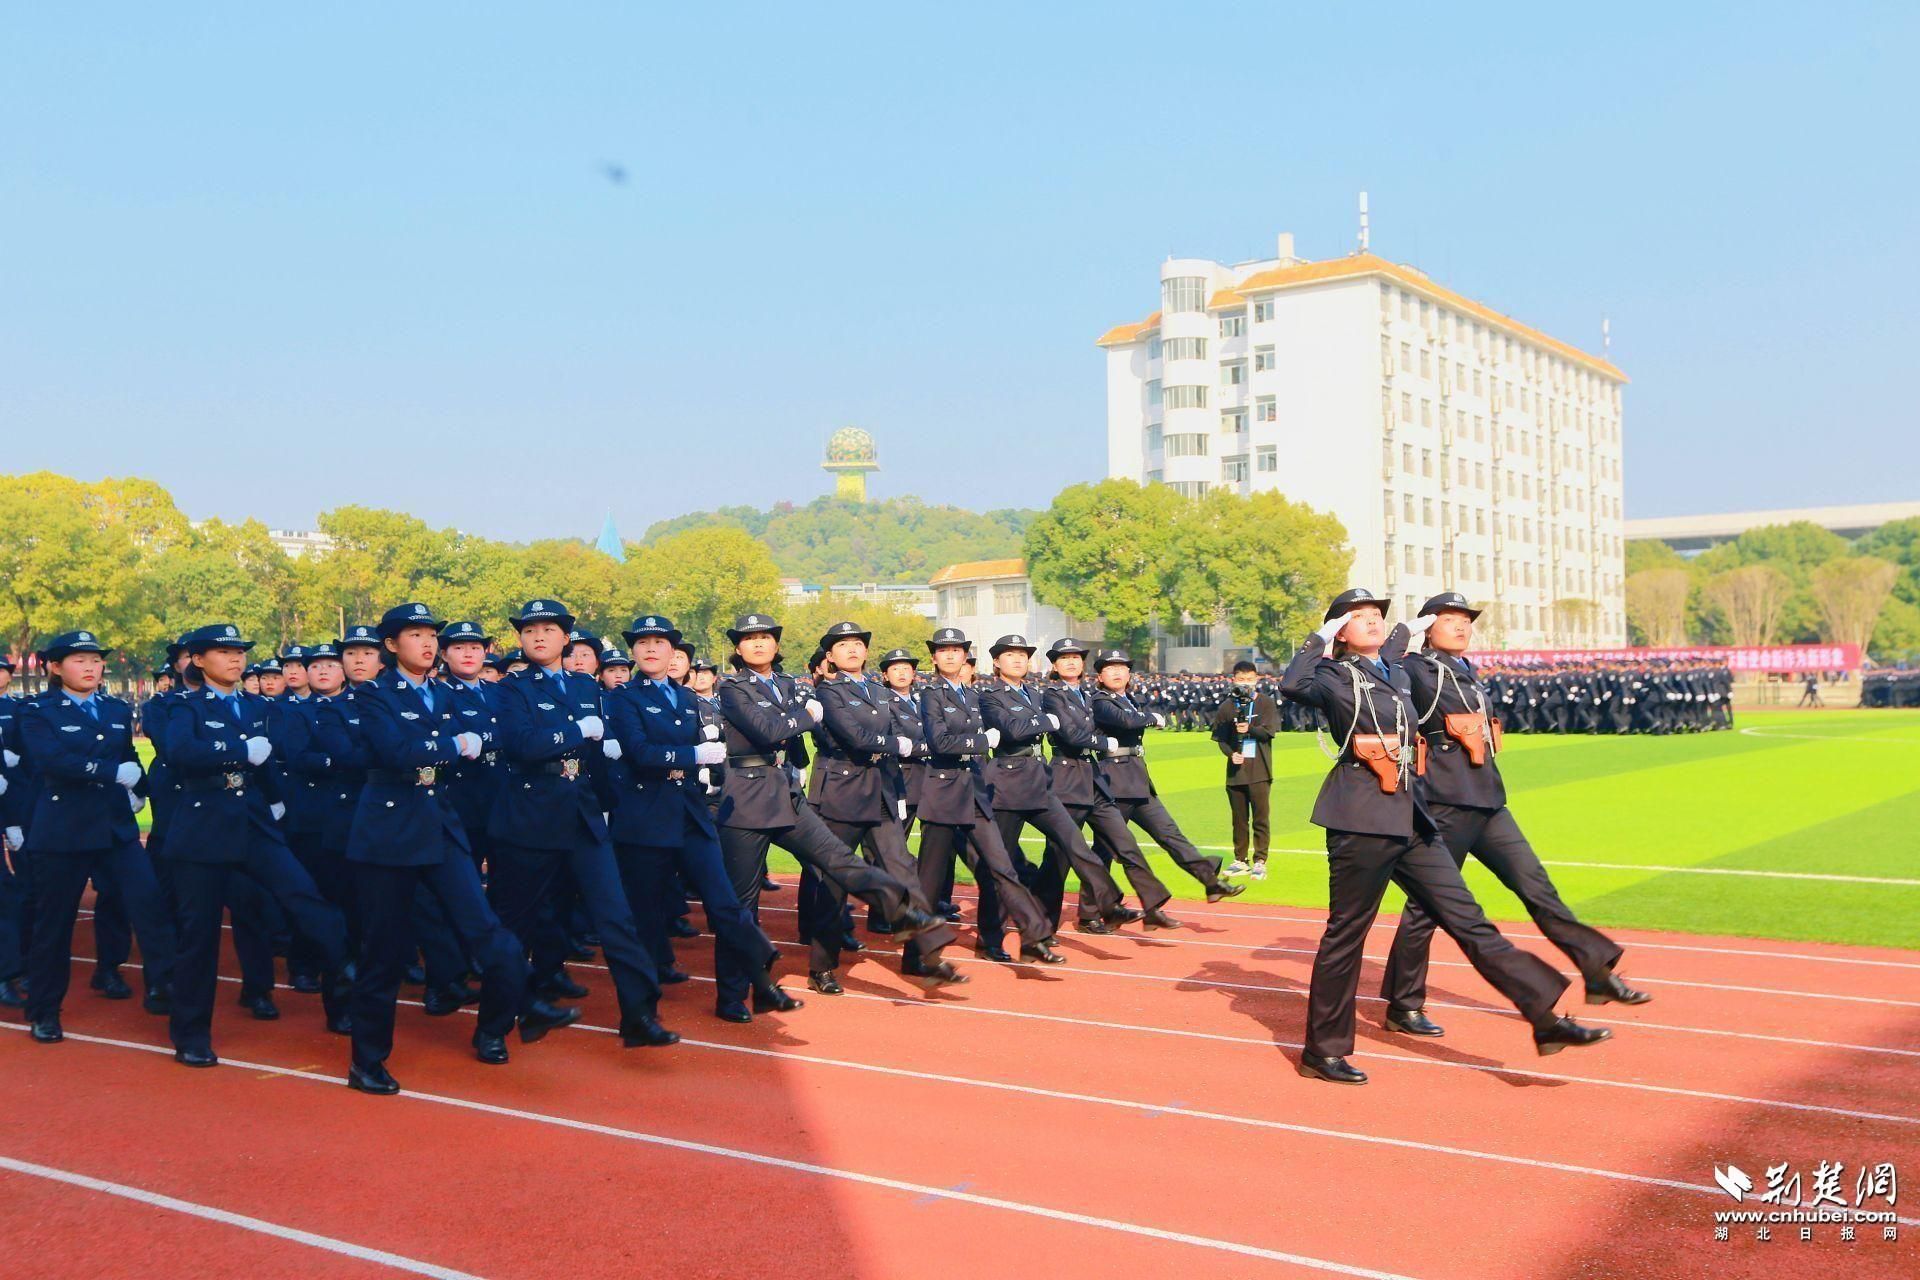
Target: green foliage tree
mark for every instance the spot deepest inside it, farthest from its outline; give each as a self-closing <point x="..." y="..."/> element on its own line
<point x="704" y="578"/>
<point x="1264" y="565"/>
<point x="893" y="626"/>
<point x="1105" y="551"/>
<point x="69" y="556"/>
<point x="1795" y="550"/>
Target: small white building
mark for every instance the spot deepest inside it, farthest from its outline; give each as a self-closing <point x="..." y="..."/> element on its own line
<point x="916" y="596"/>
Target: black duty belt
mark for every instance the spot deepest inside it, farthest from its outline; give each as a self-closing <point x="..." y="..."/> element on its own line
<point x="424" y="776"/>
<point x="218" y="782"/>
<point x="949" y="762"/>
<point x="568" y="769"/>
<point x="861" y="758"/>
<point x="1019" y="752"/>
<point x="773" y="761"/>
<point x="1067" y="753"/>
<point x="1120" y="753"/>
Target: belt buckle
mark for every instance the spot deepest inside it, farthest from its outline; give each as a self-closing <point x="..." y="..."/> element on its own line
<point x="780" y="759"/>
<point x="676" y="775"/>
<point x="234" y="781"/>
<point x="569" y="769"/>
<point x="487" y="757"/>
<point x="424" y="776"/>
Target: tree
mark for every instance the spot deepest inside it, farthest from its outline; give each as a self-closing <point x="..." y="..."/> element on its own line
<point x="1651" y="553"/>
<point x="893" y="626"/>
<point x="1851" y="592"/>
<point x="1898" y="541"/>
<point x="1106" y="551"/>
<point x="1795" y="550"/>
<point x="1657" y="606"/>
<point x="68" y="556"/>
<point x="703" y="579"/>
<point x="1752" y="599"/>
<point x="1264" y="565"/>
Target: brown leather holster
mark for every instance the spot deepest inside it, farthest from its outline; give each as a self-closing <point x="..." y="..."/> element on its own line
<point x="1467" y="729"/>
<point x="1380" y="752"/>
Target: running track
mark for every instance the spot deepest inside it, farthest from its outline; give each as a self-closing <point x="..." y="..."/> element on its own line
<point x="1132" y="1113"/>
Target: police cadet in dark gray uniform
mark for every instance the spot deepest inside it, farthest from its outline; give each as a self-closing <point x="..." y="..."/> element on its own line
<point x="80" y="743"/>
<point x="1464" y="793"/>
<point x="1379" y="830"/>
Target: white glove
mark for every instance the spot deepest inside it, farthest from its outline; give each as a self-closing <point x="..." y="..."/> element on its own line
<point x="16" y="837"/>
<point x="1053" y="722"/>
<point x="900" y="807"/>
<point x="611" y="748"/>
<point x="710" y="753"/>
<point x="815" y="710"/>
<point x="903" y="746"/>
<point x="12" y="758"/>
<point x="706" y="778"/>
<point x="1420" y="626"/>
<point x="127" y="775"/>
<point x="1159" y="721"/>
<point x="3" y="786"/>
<point x="258" y="749"/>
<point x="136" y="801"/>
<point x="993" y="739"/>
<point x="468" y="745"/>
<point x="711" y="732"/>
<point x="278" y="810"/>
<point x="592" y="727"/>
<point x="1329" y="630"/>
<point x="1113" y="744"/>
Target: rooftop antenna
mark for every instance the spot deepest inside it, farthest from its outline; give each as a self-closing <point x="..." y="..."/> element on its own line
<point x="1606" y="336"/>
<point x="1363" y="222"/>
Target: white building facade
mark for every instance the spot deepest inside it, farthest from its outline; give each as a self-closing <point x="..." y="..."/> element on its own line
<point x="1461" y="449"/>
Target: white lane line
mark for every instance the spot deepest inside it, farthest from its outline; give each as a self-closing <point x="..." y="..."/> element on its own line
<point x="1823" y="737"/>
<point x="259" y="1226"/>
<point x="800" y="1166"/>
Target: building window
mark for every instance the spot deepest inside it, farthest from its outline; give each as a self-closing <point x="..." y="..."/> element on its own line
<point x="1233" y="326"/>
<point x="1153" y="348"/>
<point x="1426" y="558"/>
<point x="1406" y="305"/>
<point x="1186" y="445"/>
<point x="965" y="601"/>
<point x="1266" y="458"/>
<point x="1263" y="311"/>
<point x="1233" y="469"/>
<point x="1426" y="463"/>
<point x="1265" y="409"/>
<point x="1233" y="421"/>
<point x="1426" y="363"/>
<point x="1406" y="458"/>
<point x="1406" y="406"/>
<point x="1186" y="349"/>
<point x="1426" y="413"/>
<point x="1406" y="357"/>
<point x="1183" y="293"/>
<point x="1010" y="597"/>
<point x="1426" y="511"/>
<point x="1233" y="373"/>
<point x="1196" y="635"/>
<point x="1153" y="394"/>
<point x="1186" y="397"/>
<point x="1408" y="509"/>
<point x="1262" y="359"/>
<point x="1153" y="438"/>
<point x="1190" y="488"/>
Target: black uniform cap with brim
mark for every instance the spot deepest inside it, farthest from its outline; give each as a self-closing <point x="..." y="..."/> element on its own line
<point x="750" y="624"/>
<point x="542" y="610"/>
<point x="1063" y="646"/>
<point x="949" y="638"/>
<point x="844" y="631"/>
<point x="1445" y="602"/>
<point x="652" y="624"/>
<point x="1112" y="657"/>
<point x="1351" y="599"/>
<point x="892" y="656"/>
<point x="70" y="642"/>
<point x="1006" y="644"/>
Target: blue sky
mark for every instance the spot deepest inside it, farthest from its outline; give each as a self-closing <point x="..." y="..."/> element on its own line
<point x="285" y="260"/>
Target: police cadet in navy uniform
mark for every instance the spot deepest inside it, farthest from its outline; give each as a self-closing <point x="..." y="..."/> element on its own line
<point x="1123" y="767"/>
<point x="80" y="742"/>
<point x="547" y="822"/>
<point x="226" y="830"/>
<point x="1023" y="795"/>
<point x="1465" y="795"/>
<point x="663" y="827"/>
<point x="475" y="783"/>
<point x="406" y="836"/>
<point x="1379" y="830"/>
<point x="956" y="810"/>
<point x="857" y="789"/>
<point x="766" y="719"/>
<point x="16" y="908"/>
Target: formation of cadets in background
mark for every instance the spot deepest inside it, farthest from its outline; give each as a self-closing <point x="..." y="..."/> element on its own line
<point x="415" y="804"/>
<point x="1890" y="688"/>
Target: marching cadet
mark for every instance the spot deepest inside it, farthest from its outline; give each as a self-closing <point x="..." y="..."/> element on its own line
<point x="1023" y="796"/>
<point x="80" y="742"/>
<point x="662" y="825"/>
<point x="766" y="719"/>
<point x="1467" y="799"/>
<point x="227" y="827"/>
<point x="360" y="651"/>
<point x="293" y="666"/>
<point x="547" y="822"/>
<point x="1243" y="727"/>
<point x="406" y="838"/>
<point x="16" y="905"/>
<point x="616" y="668"/>
<point x="901" y="672"/>
<point x="956" y="809"/>
<point x="250" y="680"/>
<point x="858" y="791"/>
<point x="272" y="678"/>
<point x="1378" y="829"/>
<point x="1082" y="788"/>
<point x="474" y="783"/>
<point x="326" y="767"/>
<point x="1123" y="768"/>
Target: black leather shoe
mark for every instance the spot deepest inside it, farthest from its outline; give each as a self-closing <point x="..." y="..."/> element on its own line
<point x="442" y="1001"/>
<point x="683" y="928"/>
<point x="1414" y="1022"/>
<point x="307" y="984"/>
<point x="1220" y="889"/>
<point x="670" y="977"/>
<point x="1159" y="919"/>
<point x="262" y="1008"/>
<point x="769" y="885"/>
<point x="11" y="995"/>
<point x="994" y="952"/>
<point x="850" y="943"/>
<point x="561" y="987"/>
<point x="1094" y="926"/>
<point x="341" y="1023"/>
<point x="1338" y="1070"/>
<point x="1122" y="915"/>
<point x="645" y="1032"/>
<point x="910" y="924"/>
<point x="825" y="983"/>
<point x="491" y="1050"/>
<point x="578" y="951"/>
<point x="542" y="1017"/>
<point x="375" y="1079"/>
<point x="772" y="999"/>
<point x="111" y="985"/>
<point x="47" y="1031"/>
<point x="416" y="976"/>
<point x="195" y="1058"/>
<point x="732" y="1011"/>
<point x="930" y="976"/>
<point x="1614" y="991"/>
<point x="1041" y="953"/>
<point x="158" y="1002"/>
<point x="947" y="911"/>
<point x="1566" y="1033"/>
<point x="880" y="926"/>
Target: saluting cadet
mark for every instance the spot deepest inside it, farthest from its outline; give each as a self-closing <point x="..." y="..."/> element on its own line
<point x="857" y="789"/>
<point x="80" y="743"/>
<point x="766" y="719"/>
<point x="1378" y="829"/>
<point x="1243" y="727"/>
<point x="226" y="830"/>
<point x="1467" y="799"/>
<point x="956" y="810"/>
<point x="547" y="823"/>
<point x="406" y="838"/>
<point x="662" y="825"/>
<point x="1123" y="767"/>
<point x="1023" y="795"/>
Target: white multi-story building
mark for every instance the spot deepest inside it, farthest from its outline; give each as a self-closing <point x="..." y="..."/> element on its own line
<point x="1460" y="448"/>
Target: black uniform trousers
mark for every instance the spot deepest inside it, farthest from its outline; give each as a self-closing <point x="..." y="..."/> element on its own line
<point x="1066" y="849"/>
<point x="256" y="922"/>
<point x="1358" y="869"/>
<point x="16" y="914"/>
<point x="886" y="844"/>
<point x="330" y="872"/>
<point x="1112" y="842"/>
<point x="201" y="891"/>
<point x="1250" y="811"/>
<point x="58" y="881"/>
<point x="653" y="875"/>
<point x="1151" y="816"/>
<point x="437" y="939"/>
<point x="389" y="905"/>
<point x="532" y="891"/>
<point x="1004" y="900"/>
<point x="1492" y="836"/>
<point x="808" y="839"/>
<point x="112" y="930"/>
